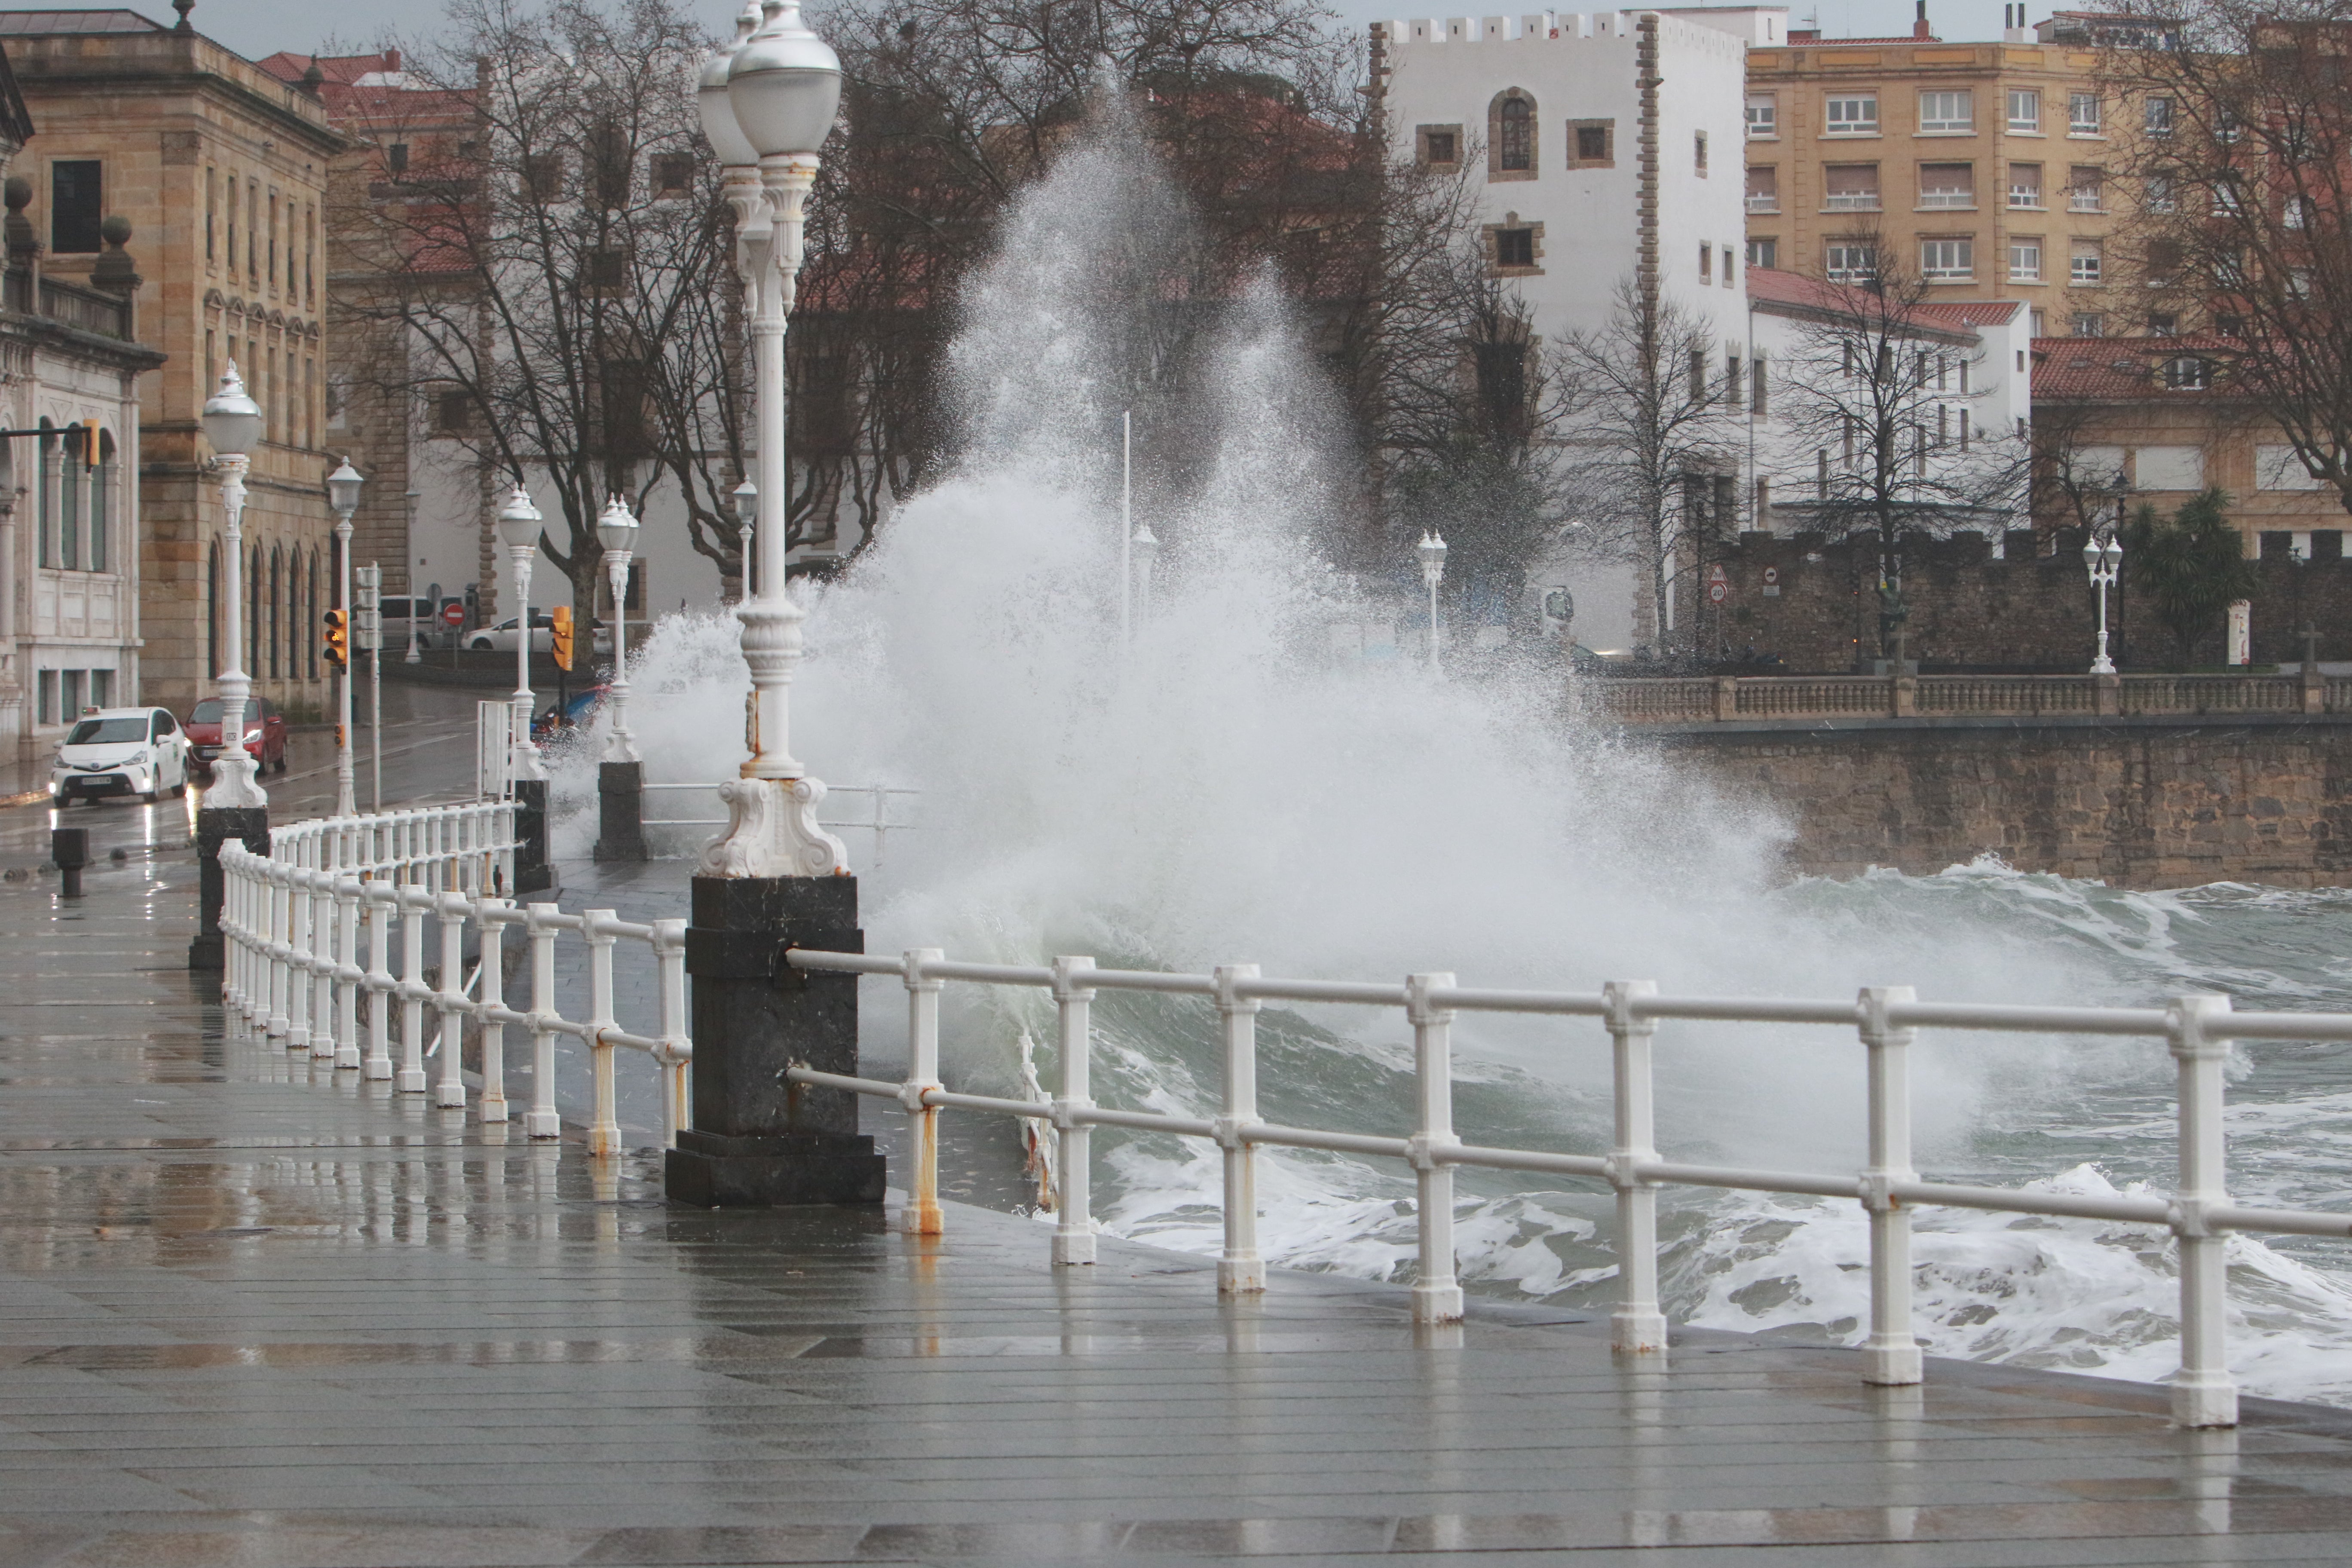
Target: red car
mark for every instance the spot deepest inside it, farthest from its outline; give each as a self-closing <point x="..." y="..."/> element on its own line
<point x="264" y="732"/>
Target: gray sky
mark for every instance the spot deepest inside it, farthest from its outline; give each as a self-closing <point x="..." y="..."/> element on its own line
<point x="258" y="27"/>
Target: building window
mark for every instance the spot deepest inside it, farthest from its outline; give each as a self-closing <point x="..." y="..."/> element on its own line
<point x="673" y="174"/>
<point x="608" y="269"/>
<point x="2025" y="258"/>
<point x="1947" y="185"/>
<point x="2088" y="267"/>
<point x="453" y="413"/>
<point x="1705" y="263"/>
<point x="1852" y="114"/>
<point x="2163" y="324"/>
<point x="73" y="474"/>
<point x="2082" y="114"/>
<point x="609" y="155"/>
<point x="2158" y="196"/>
<point x="543" y="177"/>
<point x="212" y="217"/>
<point x="1763" y="117"/>
<point x="1515" y="139"/>
<point x="2025" y="111"/>
<point x="1947" y="260"/>
<point x="1948" y="111"/>
<point x="2089" y="325"/>
<point x="1764" y="190"/>
<point x="1850" y="188"/>
<point x="1515" y="247"/>
<point x="2229" y="326"/>
<point x="2085" y="189"/>
<point x="1763" y="251"/>
<point x="1440" y="145"/>
<point x="77" y="206"/>
<point x="1849" y="261"/>
<point x="2296" y="212"/>
<point x="1698" y="378"/>
<point x="1593" y="142"/>
<point x="1699" y="153"/>
<point x="2188" y="373"/>
<point x="48" y="702"/>
<point x="1760" y="385"/>
<point x="2025" y="186"/>
<point x="71" y="682"/>
<point x="395" y="158"/>
<point x="2163" y="261"/>
<point x="2160" y="116"/>
<point x="2229" y="201"/>
<point x="102" y="483"/>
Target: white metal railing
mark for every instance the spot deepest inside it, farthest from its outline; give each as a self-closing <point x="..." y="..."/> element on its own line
<point x="308" y="932"/>
<point x="876" y="820"/>
<point x="2196" y="1030"/>
<point x="493" y="750"/>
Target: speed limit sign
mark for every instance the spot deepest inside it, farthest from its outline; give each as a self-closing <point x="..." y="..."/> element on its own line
<point x="1719" y="585"/>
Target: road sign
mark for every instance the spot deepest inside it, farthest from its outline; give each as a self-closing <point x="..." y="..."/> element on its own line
<point x="1718" y="585"/>
<point x="1771" y="575"/>
<point x="453" y="613"/>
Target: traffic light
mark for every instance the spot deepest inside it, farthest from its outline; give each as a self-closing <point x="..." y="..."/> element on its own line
<point x="339" y="638"/>
<point x="560" y="620"/>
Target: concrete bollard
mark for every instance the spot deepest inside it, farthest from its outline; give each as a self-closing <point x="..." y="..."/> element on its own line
<point x="216" y="826"/>
<point x="533" y="871"/>
<point x="70" y="852"/>
<point x="620" y="811"/>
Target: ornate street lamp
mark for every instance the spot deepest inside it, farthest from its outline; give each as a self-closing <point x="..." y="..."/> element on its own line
<point x="747" y="518"/>
<point x="1432" y="550"/>
<point x="2103" y="558"/>
<point x="232" y="423"/>
<point x="784" y="86"/>
<point x="518" y="529"/>
<point x="616" y="530"/>
<point x="343" y="496"/>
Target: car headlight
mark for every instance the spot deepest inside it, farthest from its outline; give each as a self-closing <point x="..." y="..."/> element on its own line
<point x="136" y="760"/>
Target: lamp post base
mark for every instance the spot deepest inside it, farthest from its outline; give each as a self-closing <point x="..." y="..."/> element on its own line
<point x="216" y="826"/>
<point x="620" y="811"/>
<point x="533" y="873"/>
<point x="757" y="1140"/>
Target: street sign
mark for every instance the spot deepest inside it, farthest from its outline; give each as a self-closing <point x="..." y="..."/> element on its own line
<point x="1771" y="582"/>
<point x="453" y="613"/>
<point x="1718" y="585"/>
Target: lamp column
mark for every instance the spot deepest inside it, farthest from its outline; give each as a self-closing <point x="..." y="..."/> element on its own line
<point x="620" y="777"/>
<point x="775" y="878"/>
<point x="519" y="531"/>
<point x="234" y="807"/>
<point x="343" y="495"/>
<point x="1432" y="550"/>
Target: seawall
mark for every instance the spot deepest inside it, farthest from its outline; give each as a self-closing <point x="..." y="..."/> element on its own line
<point x="2155" y="802"/>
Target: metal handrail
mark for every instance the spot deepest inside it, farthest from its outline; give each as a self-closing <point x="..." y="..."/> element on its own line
<point x="300" y="911"/>
<point x="2195" y="1028"/>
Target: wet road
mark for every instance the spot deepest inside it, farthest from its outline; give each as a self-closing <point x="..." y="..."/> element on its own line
<point x="255" y="1312"/>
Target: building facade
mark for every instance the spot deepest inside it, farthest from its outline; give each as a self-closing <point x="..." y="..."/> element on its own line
<point x="221" y="170"/>
<point x="69" y="369"/>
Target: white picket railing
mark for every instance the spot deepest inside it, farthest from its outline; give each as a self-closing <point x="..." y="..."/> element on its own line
<point x="2195" y="1028"/>
<point x="308" y="931"/>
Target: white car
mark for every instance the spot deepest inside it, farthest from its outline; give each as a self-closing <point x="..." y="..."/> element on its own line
<point x="137" y="751"/>
<point x="500" y="638"/>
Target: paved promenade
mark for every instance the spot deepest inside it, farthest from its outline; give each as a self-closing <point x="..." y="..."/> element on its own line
<point x="256" y="1313"/>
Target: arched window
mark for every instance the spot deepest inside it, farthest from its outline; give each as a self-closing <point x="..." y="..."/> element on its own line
<point x="45" y="492"/>
<point x="1515" y="134"/>
<point x="102" y="486"/>
<point x="213" y="610"/>
<point x="310" y="627"/>
<point x="74" y="471"/>
<point x="277" y="609"/>
<point x="249" y="655"/>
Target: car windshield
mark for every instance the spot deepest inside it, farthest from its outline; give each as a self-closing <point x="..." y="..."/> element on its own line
<point x="107" y="731"/>
<point x="206" y="712"/>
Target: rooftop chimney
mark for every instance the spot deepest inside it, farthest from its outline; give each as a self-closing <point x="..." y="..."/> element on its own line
<point x="1920" y="25"/>
<point x="2012" y="25"/>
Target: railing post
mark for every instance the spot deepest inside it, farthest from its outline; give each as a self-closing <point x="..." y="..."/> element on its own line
<point x="1891" y="1354"/>
<point x="452" y="909"/>
<point x="279" y="911"/>
<point x="540" y="1120"/>
<point x="494" y="995"/>
<point x="348" y="973"/>
<point x="1074" y="1228"/>
<point x="1240" y="1270"/>
<point x="922" y="1216"/>
<point x="1436" y="1294"/>
<point x="1637" y="1326"/>
<point x="226" y="924"/>
<point x="678" y="1048"/>
<point x="381" y="897"/>
<point x="411" y="988"/>
<point x="324" y="916"/>
<point x="605" y="1122"/>
<point x="2203" y="1392"/>
<point x="298" y="946"/>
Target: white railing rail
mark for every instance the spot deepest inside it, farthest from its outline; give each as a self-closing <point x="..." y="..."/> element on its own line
<point x="2195" y="1028"/>
<point x="877" y="818"/>
<point x="308" y="931"/>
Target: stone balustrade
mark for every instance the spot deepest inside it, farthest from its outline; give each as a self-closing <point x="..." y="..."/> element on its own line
<point x="1682" y="700"/>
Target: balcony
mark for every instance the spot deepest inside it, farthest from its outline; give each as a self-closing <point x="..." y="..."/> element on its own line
<point x="1765" y="202"/>
<point x="70" y="304"/>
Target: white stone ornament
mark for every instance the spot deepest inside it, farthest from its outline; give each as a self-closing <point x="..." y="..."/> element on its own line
<point x="773" y="831"/>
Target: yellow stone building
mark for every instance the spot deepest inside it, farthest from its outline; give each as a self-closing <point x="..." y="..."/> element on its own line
<point x="221" y="170"/>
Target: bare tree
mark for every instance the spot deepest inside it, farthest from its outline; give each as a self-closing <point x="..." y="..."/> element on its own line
<point x="2237" y="144"/>
<point x="1880" y="398"/>
<point x="1650" y="421"/>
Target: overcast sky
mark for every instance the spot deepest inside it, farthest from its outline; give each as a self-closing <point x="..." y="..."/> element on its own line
<point x="258" y="27"/>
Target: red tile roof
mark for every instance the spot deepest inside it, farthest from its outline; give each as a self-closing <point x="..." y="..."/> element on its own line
<point x="2107" y="369"/>
<point x="1769" y="285"/>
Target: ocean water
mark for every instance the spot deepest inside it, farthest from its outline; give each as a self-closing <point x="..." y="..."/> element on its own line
<point x="1221" y="787"/>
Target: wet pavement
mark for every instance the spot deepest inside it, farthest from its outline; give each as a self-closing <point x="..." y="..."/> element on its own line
<point x="253" y="1311"/>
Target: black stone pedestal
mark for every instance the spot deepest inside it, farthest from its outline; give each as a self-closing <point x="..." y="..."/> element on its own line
<point x="620" y="811"/>
<point x="533" y="874"/>
<point x="757" y="1140"/>
<point x="216" y="826"/>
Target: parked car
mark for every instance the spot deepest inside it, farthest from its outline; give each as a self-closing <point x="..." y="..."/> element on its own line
<point x="500" y="638"/>
<point x="265" y="731"/>
<point x="139" y="751"/>
<point x="421" y="614"/>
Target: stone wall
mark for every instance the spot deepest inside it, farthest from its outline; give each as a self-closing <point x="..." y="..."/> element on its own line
<point x="2153" y="803"/>
<point x="2027" y="612"/>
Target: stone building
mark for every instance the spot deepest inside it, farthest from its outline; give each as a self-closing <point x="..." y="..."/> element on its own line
<point x="69" y="370"/>
<point x="221" y="170"/>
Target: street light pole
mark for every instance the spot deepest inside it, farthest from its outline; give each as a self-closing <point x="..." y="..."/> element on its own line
<point x="2104" y="558"/>
<point x="747" y="518"/>
<point x="416" y="654"/>
<point x="1432" y="550"/>
<point x="343" y="496"/>
<point x="518" y="528"/>
<point x="616" y="529"/>
<point x="234" y="807"/>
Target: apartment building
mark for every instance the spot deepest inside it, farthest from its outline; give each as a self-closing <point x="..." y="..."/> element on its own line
<point x="1980" y="167"/>
<point x="221" y="170"/>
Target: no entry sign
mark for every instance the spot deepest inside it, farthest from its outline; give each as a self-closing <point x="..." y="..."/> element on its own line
<point x="453" y="614"/>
